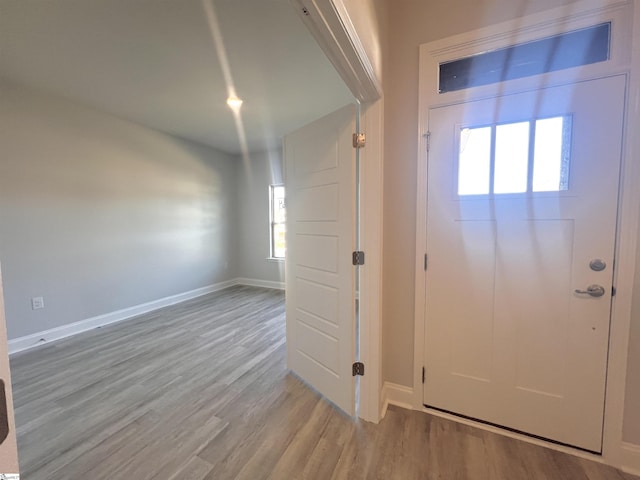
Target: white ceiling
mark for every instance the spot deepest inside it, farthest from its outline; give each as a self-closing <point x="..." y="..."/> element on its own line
<point x="154" y="62"/>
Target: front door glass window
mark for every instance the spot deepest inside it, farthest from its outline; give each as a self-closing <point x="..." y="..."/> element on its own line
<point x="517" y="157"/>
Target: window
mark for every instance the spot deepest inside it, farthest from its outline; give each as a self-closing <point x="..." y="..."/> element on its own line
<point x="278" y="216"/>
<point x="567" y="50"/>
<point x="519" y="157"/>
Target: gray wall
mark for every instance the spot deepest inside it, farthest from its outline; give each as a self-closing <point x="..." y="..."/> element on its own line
<point x="98" y="214"/>
<point x="254" y="178"/>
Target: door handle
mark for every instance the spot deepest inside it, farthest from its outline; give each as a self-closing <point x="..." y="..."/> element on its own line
<point x="593" y="290"/>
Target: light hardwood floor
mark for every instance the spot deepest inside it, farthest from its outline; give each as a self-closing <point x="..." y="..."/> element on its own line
<point x="199" y="391"/>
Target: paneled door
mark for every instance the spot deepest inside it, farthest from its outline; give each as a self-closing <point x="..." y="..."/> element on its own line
<point x="521" y="225"/>
<point x="320" y="199"/>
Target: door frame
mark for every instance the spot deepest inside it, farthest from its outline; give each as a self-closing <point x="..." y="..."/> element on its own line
<point x="577" y="15"/>
<point x="334" y="31"/>
<point x="9" y="447"/>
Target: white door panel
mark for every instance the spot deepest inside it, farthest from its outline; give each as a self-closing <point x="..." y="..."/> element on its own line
<point x="507" y="339"/>
<point x="320" y="193"/>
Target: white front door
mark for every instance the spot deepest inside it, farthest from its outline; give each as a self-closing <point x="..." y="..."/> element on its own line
<point x="320" y="197"/>
<point x="522" y="203"/>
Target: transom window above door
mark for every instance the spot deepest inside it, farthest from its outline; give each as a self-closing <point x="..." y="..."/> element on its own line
<point x="512" y="158"/>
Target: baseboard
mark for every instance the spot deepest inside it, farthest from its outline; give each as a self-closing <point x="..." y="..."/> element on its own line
<point x="398" y="395"/>
<point x="630" y="458"/>
<point x="402" y="396"/>
<point x="40" y="338"/>
<point x="254" y="282"/>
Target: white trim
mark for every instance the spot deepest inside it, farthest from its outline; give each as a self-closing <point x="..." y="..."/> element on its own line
<point x="623" y="61"/>
<point x="398" y="395"/>
<point x="329" y="23"/>
<point x="371" y="210"/>
<point x="630" y="458"/>
<point x="254" y="282"/>
<point x="33" y="340"/>
<point x="574" y="16"/>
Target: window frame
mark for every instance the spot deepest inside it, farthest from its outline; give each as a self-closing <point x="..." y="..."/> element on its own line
<point x="567" y="150"/>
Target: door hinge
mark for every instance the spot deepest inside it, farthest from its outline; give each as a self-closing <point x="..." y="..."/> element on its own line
<point x="425" y="262"/>
<point x="427" y="137"/>
<point x="423" y="373"/>
<point x="359" y="139"/>
<point x="358" y="258"/>
<point x="613" y="291"/>
<point x="358" y="369"/>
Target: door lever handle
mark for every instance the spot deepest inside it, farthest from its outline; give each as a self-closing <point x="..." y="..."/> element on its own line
<point x="593" y="290"/>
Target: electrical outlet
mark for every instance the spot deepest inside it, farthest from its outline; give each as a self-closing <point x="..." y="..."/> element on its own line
<point x="37" y="303"/>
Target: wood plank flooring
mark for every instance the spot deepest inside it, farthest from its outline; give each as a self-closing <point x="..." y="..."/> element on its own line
<point x="200" y="391"/>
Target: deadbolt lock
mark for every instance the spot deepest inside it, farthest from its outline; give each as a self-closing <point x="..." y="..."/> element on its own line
<point x="597" y="265"/>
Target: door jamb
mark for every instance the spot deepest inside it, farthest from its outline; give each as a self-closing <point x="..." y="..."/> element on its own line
<point x="371" y="272"/>
<point x="622" y="61"/>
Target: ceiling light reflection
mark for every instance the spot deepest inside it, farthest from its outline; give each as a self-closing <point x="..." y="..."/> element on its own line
<point x="234" y="103"/>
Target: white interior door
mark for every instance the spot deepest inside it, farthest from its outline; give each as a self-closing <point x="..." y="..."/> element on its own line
<point x="522" y="202"/>
<point x="320" y="196"/>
